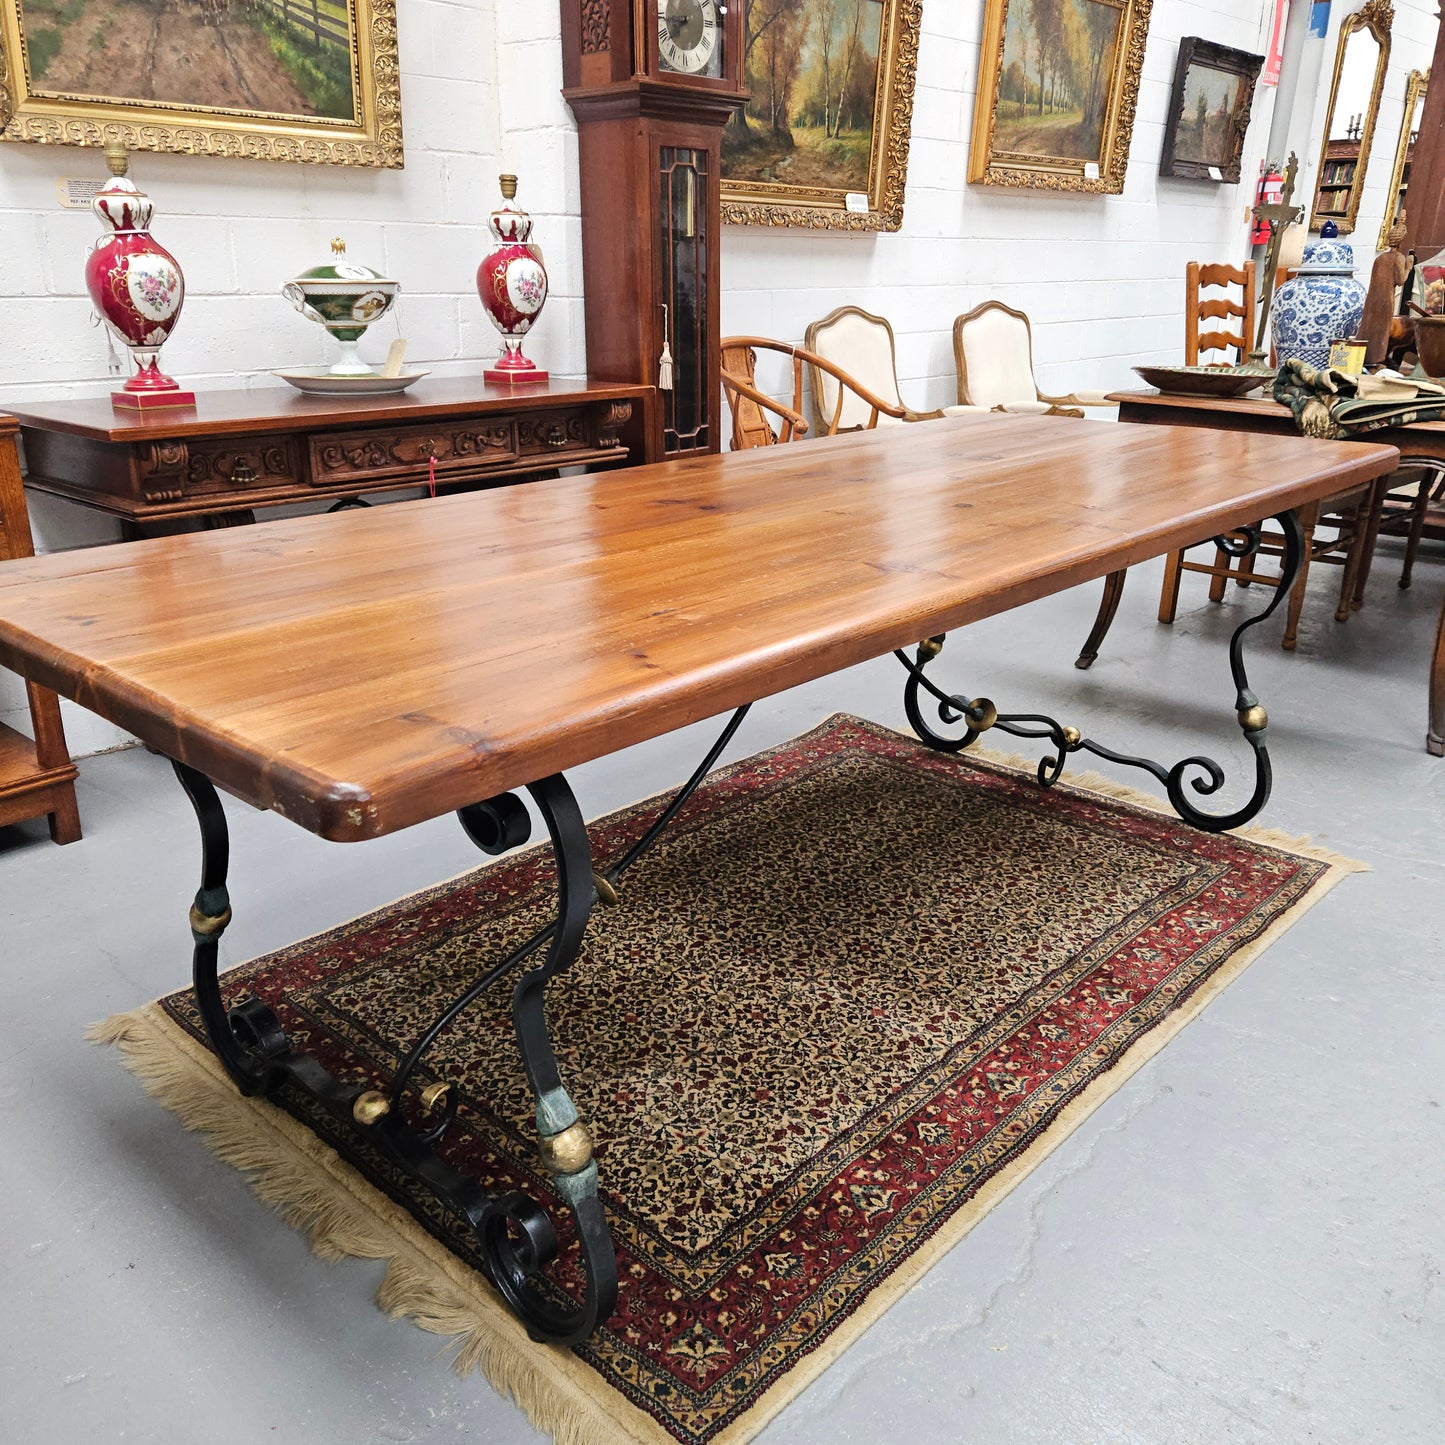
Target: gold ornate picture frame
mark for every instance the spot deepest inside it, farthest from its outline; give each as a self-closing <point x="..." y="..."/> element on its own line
<point x="1396" y="196"/>
<point x="823" y="143"/>
<point x="1057" y="114"/>
<point x="284" y="80"/>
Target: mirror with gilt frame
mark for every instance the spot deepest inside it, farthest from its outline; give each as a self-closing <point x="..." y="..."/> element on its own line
<point x="1404" y="153"/>
<point x="1361" y="57"/>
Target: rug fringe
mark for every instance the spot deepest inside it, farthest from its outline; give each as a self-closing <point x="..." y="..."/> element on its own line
<point x="280" y="1159"/>
<point x="1097" y="783"/>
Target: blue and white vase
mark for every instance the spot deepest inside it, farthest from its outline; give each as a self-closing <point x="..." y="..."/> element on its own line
<point x="1322" y="302"/>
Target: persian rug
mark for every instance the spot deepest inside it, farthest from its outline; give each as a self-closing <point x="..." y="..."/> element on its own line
<point x="854" y="996"/>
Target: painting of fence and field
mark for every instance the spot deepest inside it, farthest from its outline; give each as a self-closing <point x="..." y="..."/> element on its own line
<point x="1055" y="79"/>
<point x="278" y="57"/>
<point x="811" y="71"/>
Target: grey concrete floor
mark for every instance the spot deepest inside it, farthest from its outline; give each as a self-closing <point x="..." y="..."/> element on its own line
<point x="1243" y="1244"/>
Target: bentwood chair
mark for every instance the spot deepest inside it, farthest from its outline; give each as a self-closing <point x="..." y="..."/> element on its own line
<point x="752" y="407"/>
<point x="860" y="347"/>
<point x="993" y="355"/>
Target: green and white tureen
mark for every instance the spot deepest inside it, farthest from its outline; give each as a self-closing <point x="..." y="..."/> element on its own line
<point x="344" y="298"/>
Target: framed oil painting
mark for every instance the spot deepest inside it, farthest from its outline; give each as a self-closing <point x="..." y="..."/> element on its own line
<point x="289" y="80"/>
<point x="1058" y="84"/>
<point x="823" y="139"/>
<point x="1208" y="111"/>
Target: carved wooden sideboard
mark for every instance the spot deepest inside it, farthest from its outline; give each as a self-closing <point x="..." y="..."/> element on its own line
<point x="236" y="451"/>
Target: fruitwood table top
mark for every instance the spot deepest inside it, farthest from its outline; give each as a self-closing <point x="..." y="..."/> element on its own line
<point x="364" y="671"/>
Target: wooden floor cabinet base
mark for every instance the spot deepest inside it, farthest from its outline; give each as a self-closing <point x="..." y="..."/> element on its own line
<point x="37" y="779"/>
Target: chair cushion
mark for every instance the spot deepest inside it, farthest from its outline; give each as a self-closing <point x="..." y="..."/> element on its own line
<point x="864" y="350"/>
<point x="996" y="360"/>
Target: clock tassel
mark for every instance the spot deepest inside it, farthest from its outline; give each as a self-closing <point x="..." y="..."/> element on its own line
<point x="664" y="362"/>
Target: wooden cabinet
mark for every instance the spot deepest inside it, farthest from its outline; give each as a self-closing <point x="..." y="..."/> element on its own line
<point x="37" y="779"/>
<point x="240" y="450"/>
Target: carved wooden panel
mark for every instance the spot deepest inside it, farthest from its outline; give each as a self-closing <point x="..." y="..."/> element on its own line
<point x="596" y="26"/>
<point x="246" y="463"/>
<point x="365" y="456"/>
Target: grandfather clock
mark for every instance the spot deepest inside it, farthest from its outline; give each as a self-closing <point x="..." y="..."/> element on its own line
<point x="652" y="84"/>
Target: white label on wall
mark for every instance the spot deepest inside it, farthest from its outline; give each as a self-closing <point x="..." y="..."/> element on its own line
<point x="76" y="195"/>
<point x="1215" y="174"/>
<point x="1091" y="171"/>
<point x="856" y="202"/>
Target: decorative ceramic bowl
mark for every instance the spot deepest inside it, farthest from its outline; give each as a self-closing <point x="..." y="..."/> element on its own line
<point x="1202" y="380"/>
<point x="344" y="298"/>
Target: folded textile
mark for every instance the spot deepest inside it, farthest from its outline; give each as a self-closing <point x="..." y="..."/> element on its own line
<point x="1335" y="404"/>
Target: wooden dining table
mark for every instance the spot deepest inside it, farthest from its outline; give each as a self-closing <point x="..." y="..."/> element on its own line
<point x="1262" y="415"/>
<point x="361" y="672"/>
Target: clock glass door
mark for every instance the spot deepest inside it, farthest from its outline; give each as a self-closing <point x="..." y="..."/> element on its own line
<point x="684" y="177"/>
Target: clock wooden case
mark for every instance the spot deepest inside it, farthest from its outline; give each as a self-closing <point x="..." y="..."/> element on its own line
<point x="652" y="83"/>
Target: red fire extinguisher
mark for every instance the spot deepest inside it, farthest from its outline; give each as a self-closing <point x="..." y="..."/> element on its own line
<point x="1271" y="191"/>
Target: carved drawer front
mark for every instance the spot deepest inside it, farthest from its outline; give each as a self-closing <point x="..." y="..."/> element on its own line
<point x="542" y="434"/>
<point x="240" y="464"/>
<point x="385" y="455"/>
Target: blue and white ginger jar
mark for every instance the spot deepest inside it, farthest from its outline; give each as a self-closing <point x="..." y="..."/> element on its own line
<point x="1322" y="303"/>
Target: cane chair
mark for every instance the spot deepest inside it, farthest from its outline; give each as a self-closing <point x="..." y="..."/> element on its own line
<point x="993" y="355"/>
<point x="752" y="407"/>
<point x="860" y="347"/>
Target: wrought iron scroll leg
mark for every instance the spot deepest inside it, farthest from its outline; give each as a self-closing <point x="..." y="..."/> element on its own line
<point x="247" y="1038"/>
<point x="978" y="715"/>
<point x="566" y="1144"/>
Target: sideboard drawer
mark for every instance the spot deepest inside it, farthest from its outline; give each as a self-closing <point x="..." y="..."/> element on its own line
<point x="376" y="455"/>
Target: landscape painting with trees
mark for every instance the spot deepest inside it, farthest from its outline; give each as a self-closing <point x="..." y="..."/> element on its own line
<point x="828" y="82"/>
<point x="1053" y="94"/>
<point x="293" y="80"/>
<point x="1058" y="85"/>
<point x="1208" y="111"/>
<point x="1206" y="124"/>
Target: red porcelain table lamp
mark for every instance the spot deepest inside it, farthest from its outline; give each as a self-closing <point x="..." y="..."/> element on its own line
<point x="137" y="287"/>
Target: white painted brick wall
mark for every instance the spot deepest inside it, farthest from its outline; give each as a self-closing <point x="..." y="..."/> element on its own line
<point x="1102" y="277"/>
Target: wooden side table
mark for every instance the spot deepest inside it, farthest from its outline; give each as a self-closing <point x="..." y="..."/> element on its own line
<point x="235" y="451"/>
<point x="37" y="779"/>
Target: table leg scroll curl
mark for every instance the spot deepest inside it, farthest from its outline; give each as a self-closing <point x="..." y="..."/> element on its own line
<point x="1201" y="775"/>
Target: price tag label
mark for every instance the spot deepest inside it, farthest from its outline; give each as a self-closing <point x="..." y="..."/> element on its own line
<point x="856" y="202"/>
<point x="1091" y="171"/>
<point x="76" y="195"/>
<point x="1215" y="174"/>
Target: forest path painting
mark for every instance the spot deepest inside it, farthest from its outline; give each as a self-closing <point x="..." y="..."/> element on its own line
<point x="811" y="70"/>
<point x="1053" y="92"/>
<point x="272" y="56"/>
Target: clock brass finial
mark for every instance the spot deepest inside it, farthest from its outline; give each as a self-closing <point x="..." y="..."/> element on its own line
<point x="509" y="187"/>
<point x="117" y="157"/>
<point x="338" y="246"/>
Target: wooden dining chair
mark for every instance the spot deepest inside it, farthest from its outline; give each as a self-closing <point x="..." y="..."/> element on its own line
<point x="852" y="407"/>
<point x="1220" y="322"/>
<point x="859" y="347"/>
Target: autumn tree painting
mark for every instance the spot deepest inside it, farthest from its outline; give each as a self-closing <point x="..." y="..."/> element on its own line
<point x="811" y="70"/>
<point x="1058" y="64"/>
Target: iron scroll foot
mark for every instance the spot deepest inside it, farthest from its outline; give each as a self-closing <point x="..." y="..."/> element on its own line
<point x="516" y="1236"/>
<point x="1203" y="776"/>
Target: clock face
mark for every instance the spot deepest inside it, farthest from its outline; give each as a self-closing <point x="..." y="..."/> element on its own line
<point x="689" y="36"/>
